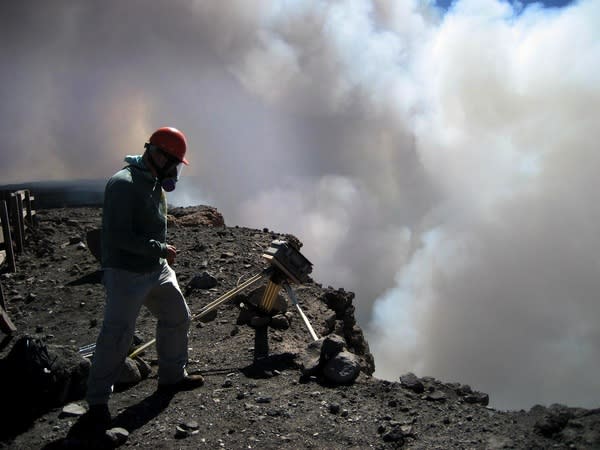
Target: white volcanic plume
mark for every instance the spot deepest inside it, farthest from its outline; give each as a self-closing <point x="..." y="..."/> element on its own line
<point x="440" y="166"/>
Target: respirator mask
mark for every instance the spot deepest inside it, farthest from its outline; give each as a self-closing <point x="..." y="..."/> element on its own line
<point x="169" y="173"/>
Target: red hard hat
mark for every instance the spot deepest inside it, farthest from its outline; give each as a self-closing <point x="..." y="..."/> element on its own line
<point x="172" y="141"/>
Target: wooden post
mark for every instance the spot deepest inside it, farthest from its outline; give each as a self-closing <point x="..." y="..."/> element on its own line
<point x="29" y="208"/>
<point x="6" y="324"/>
<point x="8" y="246"/>
<point x="21" y="218"/>
<point x="17" y="221"/>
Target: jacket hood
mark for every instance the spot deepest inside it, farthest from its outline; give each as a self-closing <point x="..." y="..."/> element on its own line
<point x="136" y="161"/>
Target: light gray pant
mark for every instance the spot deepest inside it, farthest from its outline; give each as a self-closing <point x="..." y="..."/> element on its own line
<point x="126" y="292"/>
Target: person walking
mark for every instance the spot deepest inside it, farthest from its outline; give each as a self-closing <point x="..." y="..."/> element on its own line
<point x="136" y="261"/>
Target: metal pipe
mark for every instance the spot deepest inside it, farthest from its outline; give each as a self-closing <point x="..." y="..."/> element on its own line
<point x="141" y="348"/>
<point x="294" y="299"/>
<point x="86" y="347"/>
<point x="208" y="308"/>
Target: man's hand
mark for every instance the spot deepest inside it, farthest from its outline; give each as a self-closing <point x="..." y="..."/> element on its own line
<point x="171" y="254"/>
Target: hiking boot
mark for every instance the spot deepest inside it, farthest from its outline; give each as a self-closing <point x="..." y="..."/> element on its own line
<point x="96" y="420"/>
<point x="187" y="383"/>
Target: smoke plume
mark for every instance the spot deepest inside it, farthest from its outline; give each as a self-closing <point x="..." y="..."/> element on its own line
<point x="441" y="164"/>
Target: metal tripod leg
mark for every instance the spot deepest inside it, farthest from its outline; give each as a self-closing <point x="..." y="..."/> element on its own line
<point x="291" y="294"/>
<point x="261" y="342"/>
<point x="255" y="279"/>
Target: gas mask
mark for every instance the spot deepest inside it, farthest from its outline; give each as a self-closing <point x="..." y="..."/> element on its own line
<point x="168" y="179"/>
<point x="169" y="173"/>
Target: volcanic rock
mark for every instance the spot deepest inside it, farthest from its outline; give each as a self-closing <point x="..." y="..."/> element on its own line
<point x="396" y="436"/>
<point x="478" y="398"/>
<point x="202" y="281"/>
<point x="47" y="374"/>
<point x="310" y="359"/>
<point x="437" y="396"/>
<point x="340" y="302"/>
<point x="410" y="381"/>
<point x="332" y="345"/>
<point x="328" y="357"/>
<point x="554" y="421"/>
<point x="280" y="322"/>
<point x="195" y="216"/>
<point x="143" y="367"/>
<point x="343" y="368"/>
<point x="117" y="436"/>
<point x="130" y="373"/>
<point x="73" y="410"/>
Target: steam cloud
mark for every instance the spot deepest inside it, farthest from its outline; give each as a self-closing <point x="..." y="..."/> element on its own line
<point x="443" y="167"/>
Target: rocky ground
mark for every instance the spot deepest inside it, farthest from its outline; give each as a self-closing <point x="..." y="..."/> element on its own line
<point x="56" y="303"/>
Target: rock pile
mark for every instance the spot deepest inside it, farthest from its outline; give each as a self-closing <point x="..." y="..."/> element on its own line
<point x="35" y="377"/>
<point x="329" y="358"/>
<point x="47" y="375"/>
<point x="568" y="425"/>
<point x="343" y="323"/>
<point x="434" y="390"/>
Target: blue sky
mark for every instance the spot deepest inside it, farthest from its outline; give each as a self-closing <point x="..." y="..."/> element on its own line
<point x="547" y="3"/>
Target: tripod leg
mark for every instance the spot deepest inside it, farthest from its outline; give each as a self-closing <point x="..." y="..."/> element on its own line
<point x="228" y="295"/>
<point x="261" y="342"/>
<point x="294" y="300"/>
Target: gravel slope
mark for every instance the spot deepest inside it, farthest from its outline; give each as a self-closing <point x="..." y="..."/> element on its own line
<point x="236" y="408"/>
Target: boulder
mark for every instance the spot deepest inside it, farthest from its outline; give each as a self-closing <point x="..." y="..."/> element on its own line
<point x="195" y="216"/>
<point x="280" y="322"/>
<point x="554" y="421"/>
<point x="394" y="436"/>
<point x="328" y="357"/>
<point x="130" y="374"/>
<point x="201" y="281"/>
<point x="338" y="300"/>
<point x="464" y="390"/>
<point x="117" y="436"/>
<point x="330" y="322"/>
<point x="477" y="398"/>
<point x="72" y="410"/>
<point x="143" y="367"/>
<point x="437" y="396"/>
<point x="412" y="382"/>
<point x="343" y="368"/>
<point x="332" y="345"/>
<point x="310" y="359"/>
<point x="50" y="375"/>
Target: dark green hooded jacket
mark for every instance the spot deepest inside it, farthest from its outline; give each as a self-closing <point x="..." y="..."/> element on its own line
<point x="134" y="219"/>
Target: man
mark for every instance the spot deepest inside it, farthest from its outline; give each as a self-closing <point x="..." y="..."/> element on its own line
<point x="136" y="261"/>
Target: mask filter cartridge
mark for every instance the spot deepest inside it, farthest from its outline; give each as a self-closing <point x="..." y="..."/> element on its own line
<point x="168" y="184"/>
